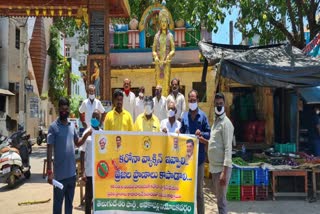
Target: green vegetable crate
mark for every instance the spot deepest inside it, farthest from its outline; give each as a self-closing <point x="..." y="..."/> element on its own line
<point x="235" y="177"/>
<point x="247" y="177"/>
<point x="233" y="193"/>
<point x="285" y="148"/>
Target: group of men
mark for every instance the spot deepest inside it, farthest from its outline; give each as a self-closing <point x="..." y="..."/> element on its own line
<point x="143" y="113"/>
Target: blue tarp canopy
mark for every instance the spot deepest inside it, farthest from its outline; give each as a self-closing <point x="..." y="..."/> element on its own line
<point x="310" y="95"/>
<point x="281" y="65"/>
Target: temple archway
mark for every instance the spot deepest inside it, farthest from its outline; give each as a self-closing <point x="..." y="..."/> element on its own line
<point x="148" y="25"/>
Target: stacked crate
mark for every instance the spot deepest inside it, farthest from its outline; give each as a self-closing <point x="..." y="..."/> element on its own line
<point x="247" y="184"/>
<point x="261" y="182"/>
<point x="233" y="193"/>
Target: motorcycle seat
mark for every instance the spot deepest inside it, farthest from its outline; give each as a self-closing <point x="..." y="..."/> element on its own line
<point x="6" y="149"/>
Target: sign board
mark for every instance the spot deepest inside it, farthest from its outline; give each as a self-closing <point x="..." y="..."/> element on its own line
<point x="144" y="172"/>
<point x="34" y="107"/>
<point x="96" y="33"/>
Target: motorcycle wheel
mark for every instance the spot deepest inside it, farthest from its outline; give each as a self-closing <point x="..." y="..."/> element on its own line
<point x="27" y="174"/>
<point x="39" y="140"/>
<point x="11" y="181"/>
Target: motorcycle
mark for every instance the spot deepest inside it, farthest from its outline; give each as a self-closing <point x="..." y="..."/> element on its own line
<point x="42" y="136"/>
<point x="14" y="158"/>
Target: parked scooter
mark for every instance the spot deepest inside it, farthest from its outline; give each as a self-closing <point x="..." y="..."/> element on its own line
<point x="14" y="158"/>
<point x="42" y="136"/>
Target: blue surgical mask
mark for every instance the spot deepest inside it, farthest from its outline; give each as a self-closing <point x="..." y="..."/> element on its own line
<point x="95" y="122"/>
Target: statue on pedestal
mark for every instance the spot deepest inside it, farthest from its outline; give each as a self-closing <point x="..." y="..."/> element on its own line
<point x="162" y="51"/>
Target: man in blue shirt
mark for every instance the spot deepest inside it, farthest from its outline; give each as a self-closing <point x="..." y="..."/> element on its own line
<point x="196" y="122"/>
<point x="61" y="138"/>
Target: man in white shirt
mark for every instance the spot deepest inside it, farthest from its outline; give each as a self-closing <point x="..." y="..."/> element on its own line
<point x="139" y="104"/>
<point x="128" y="97"/>
<point x="160" y="105"/>
<point x="177" y="97"/>
<point x="89" y="105"/>
<point x="170" y="124"/>
<point x="86" y="160"/>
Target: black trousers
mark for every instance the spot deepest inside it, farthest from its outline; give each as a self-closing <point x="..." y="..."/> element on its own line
<point x="88" y="195"/>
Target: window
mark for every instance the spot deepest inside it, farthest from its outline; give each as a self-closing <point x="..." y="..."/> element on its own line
<point x="67" y="50"/>
<point x="2" y="103"/>
<point x="17" y="38"/>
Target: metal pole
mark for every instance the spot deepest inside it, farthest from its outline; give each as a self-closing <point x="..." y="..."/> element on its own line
<point x="231" y="32"/>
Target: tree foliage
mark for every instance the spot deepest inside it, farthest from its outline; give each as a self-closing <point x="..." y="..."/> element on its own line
<point x="69" y="27"/>
<point x="272" y="20"/>
<point x="193" y="11"/>
<point x="58" y="68"/>
<point x="277" y="20"/>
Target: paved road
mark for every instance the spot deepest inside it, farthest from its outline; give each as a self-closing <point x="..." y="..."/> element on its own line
<point x="37" y="189"/>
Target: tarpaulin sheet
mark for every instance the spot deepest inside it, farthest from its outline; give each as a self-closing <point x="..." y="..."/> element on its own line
<point x="279" y="65"/>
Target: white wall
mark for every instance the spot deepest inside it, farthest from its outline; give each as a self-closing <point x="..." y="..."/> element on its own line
<point x="78" y="88"/>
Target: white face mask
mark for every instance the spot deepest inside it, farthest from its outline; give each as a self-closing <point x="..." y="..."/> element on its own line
<point x="193" y="106"/>
<point x="92" y="96"/>
<point x="140" y="94"/>
<point x="219" y="112"/>
<point x="171" y="113"/>
<point x="148" y="109"/>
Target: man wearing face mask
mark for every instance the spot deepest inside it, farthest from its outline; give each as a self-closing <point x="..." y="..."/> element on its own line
<point x="177" y="97"/>
<point x="220" y="153"/>
<point x="86" y="160"/>
<point x="89" y="105"/>
<point x="139" y="106"/>
<point x="196" y="122"/>
<point x="160" y="109"/>
<point x="147" y="121"/>
<point x="170" y="124"/>
<point x="62" y="137"/>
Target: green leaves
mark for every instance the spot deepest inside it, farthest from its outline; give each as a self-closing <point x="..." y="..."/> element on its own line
<point x="58" y="68"/>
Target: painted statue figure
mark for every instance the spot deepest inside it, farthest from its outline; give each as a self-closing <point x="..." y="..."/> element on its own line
<point x="95" y="78"/>
<point x="162" y="51"/>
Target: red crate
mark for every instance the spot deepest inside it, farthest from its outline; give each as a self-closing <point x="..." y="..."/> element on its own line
<point x="247" y="193"/>
<point x="261" y="193"/>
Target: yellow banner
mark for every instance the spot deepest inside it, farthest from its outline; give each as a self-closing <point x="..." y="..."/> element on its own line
<point x="144" y="172"/>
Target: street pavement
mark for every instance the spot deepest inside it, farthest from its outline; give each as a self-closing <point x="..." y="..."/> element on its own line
<point x="36" y="189"/>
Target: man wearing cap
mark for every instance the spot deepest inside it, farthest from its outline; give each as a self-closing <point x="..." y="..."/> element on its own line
<point x="147" y="121"/>
<point x="220" y="153"/>
<point x="118" y="119"/>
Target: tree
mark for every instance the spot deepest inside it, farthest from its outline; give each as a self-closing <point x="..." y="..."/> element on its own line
<point x="277" y="20"/>
<point x="195" y="12"/>
<point x="272" y="20"/>
<point x="69" y="27"/>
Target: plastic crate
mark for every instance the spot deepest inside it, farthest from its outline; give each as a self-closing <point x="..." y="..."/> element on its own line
<point x="247" y="193"/>
<point x="285" y="148"/>
<point x="261" y="177"/>
<point x="235" y="177"/>
<point x="233" y="193"/>
<point x="261" y="193"/>
<point x="247" y="177"/>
